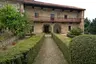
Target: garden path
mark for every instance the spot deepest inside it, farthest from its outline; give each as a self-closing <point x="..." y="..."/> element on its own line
<point x="49" y="53"/>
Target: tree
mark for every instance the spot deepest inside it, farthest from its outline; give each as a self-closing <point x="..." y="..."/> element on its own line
<point x="12" y="20"/>
<point x="86" y="22"/>
<point x="86" y="25"/>
<point x="92" y="27"/>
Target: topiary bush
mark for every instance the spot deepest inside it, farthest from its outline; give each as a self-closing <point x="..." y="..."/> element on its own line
<point x="83" y="49"/>
<point x="74" y="32"/>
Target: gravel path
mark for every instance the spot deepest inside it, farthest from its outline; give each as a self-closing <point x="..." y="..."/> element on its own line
<point x="50" y="53"/>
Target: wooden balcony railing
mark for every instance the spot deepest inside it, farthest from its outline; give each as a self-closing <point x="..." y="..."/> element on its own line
<point x="49" y="19"/>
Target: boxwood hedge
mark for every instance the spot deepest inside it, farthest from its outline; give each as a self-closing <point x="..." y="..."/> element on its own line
<point x="63" y="47"/>
<point x="23" y="52"/>
<point x="83" y="49"/>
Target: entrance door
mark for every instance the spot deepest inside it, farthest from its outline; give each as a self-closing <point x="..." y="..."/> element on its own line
<point x="57" y="28"/>
<point x="46" y="28"/>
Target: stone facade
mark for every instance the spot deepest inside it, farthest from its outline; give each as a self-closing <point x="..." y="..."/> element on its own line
<point x="45" y="14"/>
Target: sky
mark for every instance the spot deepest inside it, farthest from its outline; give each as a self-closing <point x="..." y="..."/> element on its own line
<point x="89" y="5"/>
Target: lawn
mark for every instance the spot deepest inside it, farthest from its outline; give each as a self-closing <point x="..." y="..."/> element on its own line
<point x="64" y="38"/>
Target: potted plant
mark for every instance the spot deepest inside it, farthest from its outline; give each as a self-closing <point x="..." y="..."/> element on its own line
<point x="13" y="43"/>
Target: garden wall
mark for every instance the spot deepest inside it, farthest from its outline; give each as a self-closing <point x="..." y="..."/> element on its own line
<point x="24" y="52"/>
<point x="63" y="47"/>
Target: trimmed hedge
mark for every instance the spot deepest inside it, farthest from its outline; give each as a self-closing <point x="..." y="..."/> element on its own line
<point x="23" y="52"/>
<point x="63" y="47"/>
<point x="83" y="49"/>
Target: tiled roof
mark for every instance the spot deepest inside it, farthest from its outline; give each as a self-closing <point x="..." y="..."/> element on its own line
<point x="51" y="5"/>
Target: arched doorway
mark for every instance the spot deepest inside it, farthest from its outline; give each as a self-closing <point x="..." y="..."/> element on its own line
<point x="57" y="28"/>
<point x="46" y="28"/>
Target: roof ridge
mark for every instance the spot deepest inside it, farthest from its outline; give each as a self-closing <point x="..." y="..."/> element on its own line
<point x="58" y="4"/>
<point x="52" y="4"/>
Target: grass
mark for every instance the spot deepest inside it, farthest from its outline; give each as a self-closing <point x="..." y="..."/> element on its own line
<point x="21" y="47"/>
<point x="64" y="38"/>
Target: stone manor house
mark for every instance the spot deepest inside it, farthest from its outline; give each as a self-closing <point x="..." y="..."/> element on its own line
<point x="48" y="17"/>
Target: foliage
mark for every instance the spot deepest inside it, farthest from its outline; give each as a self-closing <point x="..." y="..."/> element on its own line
<point x="63" y="46"/>
<point x="22" y="50"/>
<point x="87" y="23"/>
<point x="83" y="49"/>
<point x="74" y="32"/>
<point x="92" y="27"/>
<point x="12" y="20"/>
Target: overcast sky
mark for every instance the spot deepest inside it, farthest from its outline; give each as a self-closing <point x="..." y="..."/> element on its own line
<point x="89" y="5"/>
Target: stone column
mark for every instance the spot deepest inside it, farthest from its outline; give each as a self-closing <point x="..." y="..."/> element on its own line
<point x="52" y="27"/>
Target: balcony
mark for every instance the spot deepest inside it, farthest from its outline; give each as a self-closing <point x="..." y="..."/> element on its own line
<point x="48" y="19"/>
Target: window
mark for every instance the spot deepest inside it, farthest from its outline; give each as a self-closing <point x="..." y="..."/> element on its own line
<point x="58" y="15"/>
<point x="65" y="16"/>
<point x="36" y="15"/>
<point x="69" y="28"/>
<point x="52" y="16"/>
<point x="32" y="29"/>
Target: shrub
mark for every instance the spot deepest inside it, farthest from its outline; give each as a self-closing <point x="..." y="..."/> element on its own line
<point x="74" y="32"/>
<point x="70" y="35"/>
<point x="83" y="49"/>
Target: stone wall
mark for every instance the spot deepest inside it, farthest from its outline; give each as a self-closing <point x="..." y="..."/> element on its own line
<point x="65" y="29"/>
